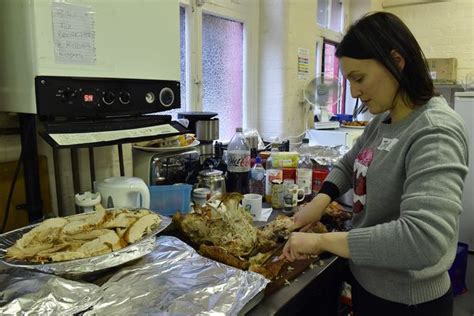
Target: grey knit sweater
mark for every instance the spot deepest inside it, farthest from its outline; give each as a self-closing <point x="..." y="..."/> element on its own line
<point x="408" y="180"/>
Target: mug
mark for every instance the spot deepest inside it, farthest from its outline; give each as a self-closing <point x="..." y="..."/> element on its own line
<point x="201" y="195"/>
<point x="290" y="198"/>
<point x="253" y="204"/>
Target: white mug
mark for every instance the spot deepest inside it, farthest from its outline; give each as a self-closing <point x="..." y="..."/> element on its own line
<point x="201" y="195"/>
<point x="253" y="203"/>
<point x="290" y="199"/>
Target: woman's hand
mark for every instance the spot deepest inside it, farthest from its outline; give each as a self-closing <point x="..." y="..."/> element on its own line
<point x="301" y="245"/>
<point x="310" y="213"/>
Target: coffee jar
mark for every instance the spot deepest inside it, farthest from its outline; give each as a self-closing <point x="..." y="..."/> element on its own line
<point x="212" y="179"/>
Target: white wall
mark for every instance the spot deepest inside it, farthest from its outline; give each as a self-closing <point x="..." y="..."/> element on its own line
<point x="285" y="26"/>
<point x="443" y="29"/>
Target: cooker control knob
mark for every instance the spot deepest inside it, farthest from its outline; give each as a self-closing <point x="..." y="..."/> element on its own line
<point x="108" y="97"/>
<point x="67" y="94"/>
<point x="124" y="97"/>
<point x="166" y="97"/>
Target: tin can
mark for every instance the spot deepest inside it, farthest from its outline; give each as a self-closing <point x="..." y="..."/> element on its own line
<point x="277" y="194"/>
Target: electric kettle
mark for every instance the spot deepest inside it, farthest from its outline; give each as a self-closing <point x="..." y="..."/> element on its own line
<point x="123" y="192"/>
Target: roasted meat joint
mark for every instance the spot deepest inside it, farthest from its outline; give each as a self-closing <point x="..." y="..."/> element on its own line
<point x="223" y="230"/>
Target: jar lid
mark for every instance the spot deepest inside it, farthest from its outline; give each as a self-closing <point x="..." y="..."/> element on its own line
<point x="210" y="173"/>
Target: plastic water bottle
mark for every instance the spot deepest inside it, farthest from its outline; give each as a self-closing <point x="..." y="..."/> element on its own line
<point x="257" y="178"/>
<point x="304" y="172"/>
<point x="272" y="173"/>
<point x="238" y="163"/>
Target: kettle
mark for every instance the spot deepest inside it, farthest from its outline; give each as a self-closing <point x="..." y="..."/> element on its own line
<point x="123" y="192"/>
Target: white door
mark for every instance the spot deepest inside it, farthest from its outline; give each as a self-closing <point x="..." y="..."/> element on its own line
<point x="464" y="105"/>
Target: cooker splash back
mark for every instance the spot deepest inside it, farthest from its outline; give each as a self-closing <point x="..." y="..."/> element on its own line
<point x="123" y="39"/>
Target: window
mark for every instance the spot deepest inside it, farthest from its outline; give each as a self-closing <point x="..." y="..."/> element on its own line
<point x="330" y="20"/>
<point x="330" y="15"/>
<point x="218" y="49"/>
<point x="330" y="67"/>
<point x="222" y="52"/>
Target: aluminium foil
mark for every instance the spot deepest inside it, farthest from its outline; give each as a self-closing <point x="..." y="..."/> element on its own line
<point x="175" y="280"/>
<point x="171" y="280"/>
<point x="35" y="293"/>
<point x="327" y="155"/>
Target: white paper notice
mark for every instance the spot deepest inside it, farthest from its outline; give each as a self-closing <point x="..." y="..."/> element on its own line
<point x="303" y="63"/>
<point x="68" y="139"/>
<point x="73" y="34"/>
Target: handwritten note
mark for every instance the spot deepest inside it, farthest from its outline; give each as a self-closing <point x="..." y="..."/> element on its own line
<point x="73" y="34"/>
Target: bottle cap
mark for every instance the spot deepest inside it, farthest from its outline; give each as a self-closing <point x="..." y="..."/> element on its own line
<point x="238" y="129"/>
<point x="258" y="159"/>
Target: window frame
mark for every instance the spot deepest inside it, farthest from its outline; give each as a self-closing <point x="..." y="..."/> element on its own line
<point x="245" y="12"/>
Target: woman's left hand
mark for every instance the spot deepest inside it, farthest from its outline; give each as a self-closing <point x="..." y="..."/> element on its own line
<point x="302" y="245"/>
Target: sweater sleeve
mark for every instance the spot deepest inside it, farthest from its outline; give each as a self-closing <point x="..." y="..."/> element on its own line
<point x="435" y="167"/>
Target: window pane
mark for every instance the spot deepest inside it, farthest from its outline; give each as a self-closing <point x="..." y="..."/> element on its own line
<point x="222" y="71"/>
<point x="323" y="13"/>
<point x="182" y="35"/>
<point x="331" y="70"/>
<point x="336" y="16"/>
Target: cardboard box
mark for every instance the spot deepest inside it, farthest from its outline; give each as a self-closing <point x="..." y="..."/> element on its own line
<point x="443" y="70"/>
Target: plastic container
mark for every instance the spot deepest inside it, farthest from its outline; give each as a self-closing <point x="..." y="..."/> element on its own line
<point x="318" y="178"/>
<point x="457" y="272"/>
<point x="342" y="117"/>
<point x="168" y="199"/>
<point x="304" y="171"/>
<point x="272" y="173"/>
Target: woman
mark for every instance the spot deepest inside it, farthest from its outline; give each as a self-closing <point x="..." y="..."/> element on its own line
<point x="407" y="171"/>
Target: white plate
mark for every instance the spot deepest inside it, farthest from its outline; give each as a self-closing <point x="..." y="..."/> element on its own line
<point x="354" y="127"/>
<point x="162" y="149"/>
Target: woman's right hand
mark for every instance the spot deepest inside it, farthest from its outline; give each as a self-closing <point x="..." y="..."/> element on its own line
<point x="310" y="213"/>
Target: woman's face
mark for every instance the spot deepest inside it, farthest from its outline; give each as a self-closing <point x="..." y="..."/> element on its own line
<point x="371" y="82"/>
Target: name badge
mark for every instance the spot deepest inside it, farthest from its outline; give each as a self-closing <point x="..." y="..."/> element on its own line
<point x="387" y="143"/>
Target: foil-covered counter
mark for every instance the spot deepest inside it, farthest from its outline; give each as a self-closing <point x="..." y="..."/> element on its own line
<point x="171" y="280"/>
<point x="28" y="292"/>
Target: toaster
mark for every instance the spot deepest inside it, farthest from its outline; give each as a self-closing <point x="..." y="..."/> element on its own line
<point x="158" y="168"/>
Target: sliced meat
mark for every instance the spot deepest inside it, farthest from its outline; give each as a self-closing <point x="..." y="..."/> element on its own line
<point x="141" y="227"/>
<point x="43" y="233"/>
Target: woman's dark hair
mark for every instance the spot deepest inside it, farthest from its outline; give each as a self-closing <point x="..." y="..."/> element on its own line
<point x="375" y="36"/>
